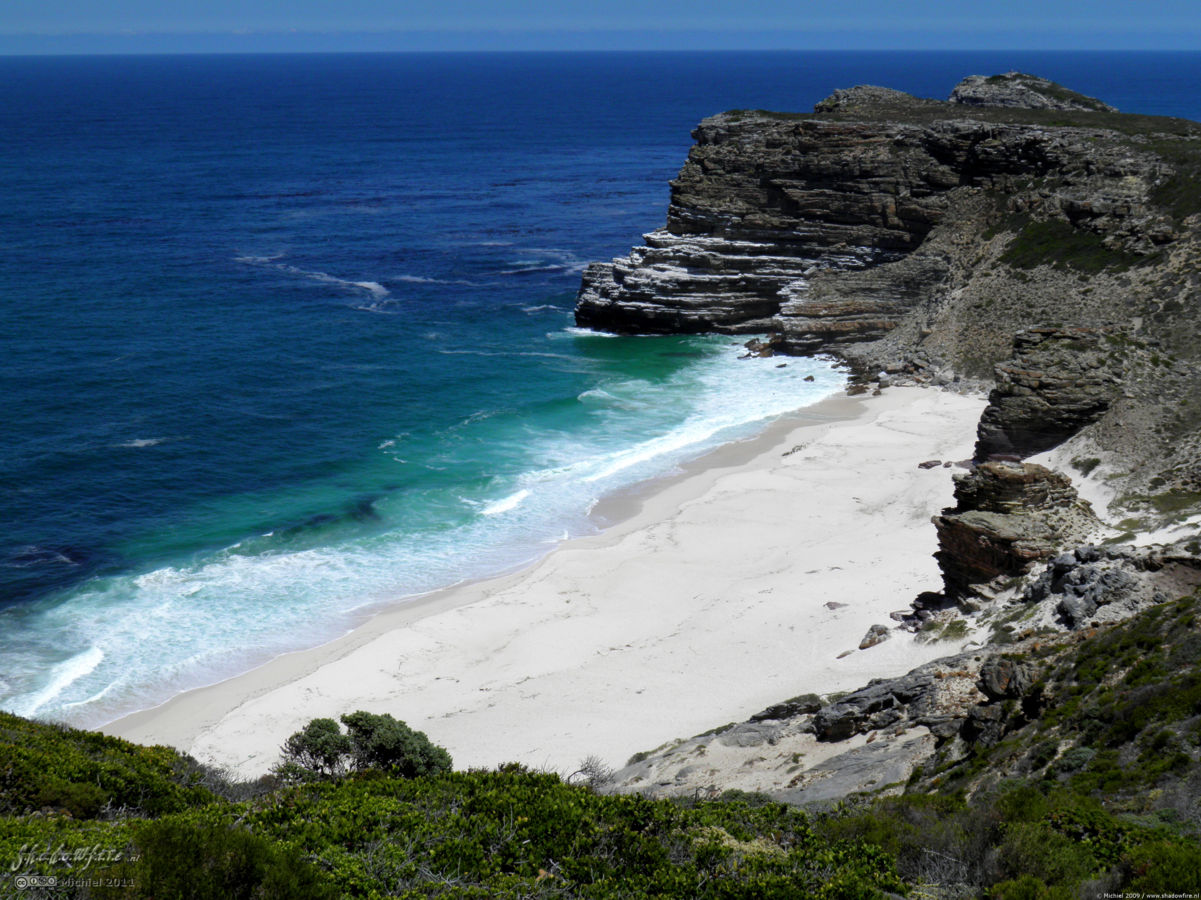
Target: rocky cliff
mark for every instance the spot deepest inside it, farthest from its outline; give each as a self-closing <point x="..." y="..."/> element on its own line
<point x="1019" y="236"/>
<point x="920" y="237"/>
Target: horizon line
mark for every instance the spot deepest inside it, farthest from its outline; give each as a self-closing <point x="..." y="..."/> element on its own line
<point x="224" y="41"/>
<point x="574" y="50"/>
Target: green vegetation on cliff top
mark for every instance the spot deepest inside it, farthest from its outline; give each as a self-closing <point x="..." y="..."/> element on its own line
<point x="926" y="112"/>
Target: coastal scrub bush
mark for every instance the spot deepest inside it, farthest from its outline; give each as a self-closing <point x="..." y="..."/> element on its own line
<point x="1059" y="244"/>
<point x="1164" y="866"/>
<point x="1085" y="464"/>
<point x="1021" y="839"/>
<point x="87" y="774"/>
<point x="207" y="860"/>
<point x="320" y="748"/>
<point x="374" y="742"/>
<point x="521" y="834"/>
<point x="378" y="741"/>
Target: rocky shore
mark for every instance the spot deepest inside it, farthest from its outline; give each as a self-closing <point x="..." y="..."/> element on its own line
<point x="1019" y="236"/>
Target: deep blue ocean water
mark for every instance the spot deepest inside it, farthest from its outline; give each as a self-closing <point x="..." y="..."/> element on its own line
<point x="286" y="337"/>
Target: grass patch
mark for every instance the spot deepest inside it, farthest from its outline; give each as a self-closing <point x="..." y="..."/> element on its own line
<point x="1175" y="501"/>
<point x="954" y="631"/>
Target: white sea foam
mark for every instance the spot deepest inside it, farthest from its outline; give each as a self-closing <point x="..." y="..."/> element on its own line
<point x="526" y="270"/>
<point x="142" y="442"/>
<point x="549" y="259"/>
<point x="586" y="332"/>
<point x="259" y="260"/>
<point x="532" y="353"/>
<point x="32" y="555"/>
<point x="61" y="677"/>
<point x="420" y="279"/>
<point x="594" y="395"/>
<point x="374" y="288"/>
<point x="505" y="504"/>
<point x="95" y="698"/>
<point x="386" y="306"/>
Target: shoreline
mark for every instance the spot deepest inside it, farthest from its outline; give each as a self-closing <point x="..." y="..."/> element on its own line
<point x="608" y="511"/>
<point x="664" y="624"/>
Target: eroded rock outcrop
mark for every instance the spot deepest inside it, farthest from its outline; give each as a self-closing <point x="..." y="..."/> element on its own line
<point x="1008" y="515"/>
<point x="1058" y="381"/>
<point x="1091" y="586"/>
<point x="1019" y="90"/>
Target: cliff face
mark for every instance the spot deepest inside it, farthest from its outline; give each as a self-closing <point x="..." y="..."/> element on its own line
<point x="827" y="227"/>
<point x="1058" y="381"/>
<point x="920" y="237"/>
<point x="761" y="206"/>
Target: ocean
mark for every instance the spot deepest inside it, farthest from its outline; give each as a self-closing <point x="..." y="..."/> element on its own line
<point x="285" y="338"/>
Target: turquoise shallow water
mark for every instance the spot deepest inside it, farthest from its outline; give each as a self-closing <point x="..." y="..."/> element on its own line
<point x="286" y="337"/>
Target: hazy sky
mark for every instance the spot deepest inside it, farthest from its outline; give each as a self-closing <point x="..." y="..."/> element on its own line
<point x="38" y="26"/>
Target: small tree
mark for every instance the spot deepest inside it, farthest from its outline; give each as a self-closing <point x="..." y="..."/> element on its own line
<point x="382" y="742"/>
<point x="319" y="748"/>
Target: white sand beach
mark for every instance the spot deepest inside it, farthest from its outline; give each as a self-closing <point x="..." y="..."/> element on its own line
<point x="705" y="603"/>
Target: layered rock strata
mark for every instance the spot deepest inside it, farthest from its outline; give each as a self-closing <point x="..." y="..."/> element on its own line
<point x="834" y="228"/>
<point x="1058" y="381"/>
<point x="1008" y="516"/>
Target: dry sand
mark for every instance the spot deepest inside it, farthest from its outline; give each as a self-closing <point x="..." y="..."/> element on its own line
<point x="705" y="603"/>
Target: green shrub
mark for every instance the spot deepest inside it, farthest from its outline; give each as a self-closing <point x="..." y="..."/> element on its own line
<point x="85" y="773"/>
<point x="1059" y="244"/>
<point x="1085" y="464"/>
<point x="1164" y="867"/>
<point x="1028" y="887"/>
<point x="382" y="742"/>
<point x="212" y="861"/>
<point x="520" y="834"/>
<point x="320" y="747"/>
<point x="375" y="742"/>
